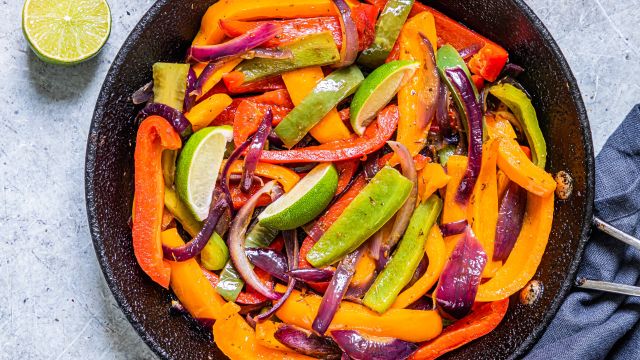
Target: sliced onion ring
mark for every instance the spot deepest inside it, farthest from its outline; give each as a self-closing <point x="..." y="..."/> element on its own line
<point x="269" y="260"/>
<point x="312" y="274"/>
<point x="175" y="117"/>
<point x="254" y="151"/>
<point x="360" y="347"/>
<point x="235" y="46"/>
<point x="307" y="343"/>
<point x="236" y="244"/>
<point x="454" y="228"/>
<point x="349" y="49"/>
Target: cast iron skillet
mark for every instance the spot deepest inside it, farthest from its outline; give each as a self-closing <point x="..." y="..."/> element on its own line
<point x="163" y="35"/>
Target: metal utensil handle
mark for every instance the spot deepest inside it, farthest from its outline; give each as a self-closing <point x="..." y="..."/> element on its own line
<point x="607" y="286"/>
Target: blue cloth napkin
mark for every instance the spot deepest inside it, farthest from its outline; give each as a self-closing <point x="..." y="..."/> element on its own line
<point x="595" y="325"/>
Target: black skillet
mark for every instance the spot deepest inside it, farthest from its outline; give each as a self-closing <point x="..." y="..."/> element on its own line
<point x="163" y="35"/>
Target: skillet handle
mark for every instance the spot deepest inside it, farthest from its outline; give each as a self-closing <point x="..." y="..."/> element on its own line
<point x="606" y="286"/>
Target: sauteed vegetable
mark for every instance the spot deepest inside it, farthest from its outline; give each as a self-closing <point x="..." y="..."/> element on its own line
<point x="339" y="179"/>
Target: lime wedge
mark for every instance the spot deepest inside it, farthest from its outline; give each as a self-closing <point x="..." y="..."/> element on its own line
<point x="377" y="90"/>
<point x="304" y="202"/>
<point x="66" y="31"/>
<point x="198" y="166"/>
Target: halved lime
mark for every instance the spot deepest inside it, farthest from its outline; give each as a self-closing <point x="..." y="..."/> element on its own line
<point x="198" y="166"/>
<point x="66" y="32"/>
<point x="304" y="202"/>
<point x="377" y="90"/>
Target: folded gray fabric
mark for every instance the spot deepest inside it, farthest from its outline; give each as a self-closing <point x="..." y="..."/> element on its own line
<point x="594" y="325"/>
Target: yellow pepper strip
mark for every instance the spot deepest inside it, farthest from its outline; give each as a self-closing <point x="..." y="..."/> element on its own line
<point x="206" y="111"/>
<point x="525" y="257"/>
<point x="190" y="285"/>
<point x="412" y="132"/>
<point x="431" y="178"/>
<point x="437" y="255"/>
<point x="286" y="177"/>
<point x="483" y="204"/>
<point x="300" y="83"/>
<point x="503" y="183"/>
<point x="498" y="126"/>
<point x="211" y="33"/>
<point x="452" y="210"/>
<point x="237" y="340"/>
<point x="215" y="78"/>
<point x="265" y="331"/>
<point x="404" y="324"/>
<point x="515" y="163"/>
<point x="365" y="270"/>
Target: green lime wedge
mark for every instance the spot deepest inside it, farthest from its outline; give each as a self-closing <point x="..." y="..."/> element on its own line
<point x="198" y="166"/>
<point x="304" y="202"/>
<point x="66" y="32"/>
<point x="377" y="90"/>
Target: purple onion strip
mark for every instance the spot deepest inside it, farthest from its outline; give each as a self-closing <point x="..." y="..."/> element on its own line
<point x="359" y="347"/>
<point x="463" y="85"/>
<point x="235" y="46"/>
<point x="174" y="116"/>
<point x="469" y="51"/>
<point x="307" y="343"/>
<point x="254" y="151"/>
<point x="267" y="53"/>
<point x="291" y="246"/>
<point x="270" y="261"/>
<point x="144" y="94"/>
<point x="510" y="218"/>
<point x="335" y="292"/>
<point x="195" y="246"/>
<point x="224" y="175"/>
<point x="236" y="244"/>
<point x="189" y="98"/>
<point x="312" y="274"/>
<point x="349" y="49"/>
<point x="454" y="228"/>
<point x="460" y="278"/>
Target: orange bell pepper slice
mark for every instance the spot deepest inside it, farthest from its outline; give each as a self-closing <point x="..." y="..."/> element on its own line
<point x="404" y="324"/>
<point x="265" y="335"/>
<point x="431" y="178"/>
<point x="483" y="204"/>
<point x="421" y="89"/>
<point x="365" y="270"/>
<point x="481" y="321"/>
<point x="452" y="210"/>
<point x="491" y="58"/>
<point x="190" y="285"/>
<point x="522" y="263"/>
<point x="155" y="134"/>
<point x="300" y="83"/>
<point x="284" y="176"/>
<point x="498" y="126"/>
<point x="515" y="163"/>
<point x="437" y="255"/>
<point x="211" y="33"/>
<point x="204" y="112"/>
<point x="237" y="340"/>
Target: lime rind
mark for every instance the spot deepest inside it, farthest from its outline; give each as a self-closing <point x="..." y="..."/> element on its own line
<point x="198" y="166"/>
<point x="377" y="90"/>
<point x="308" y="198"/>
<point x="66" y="32"/>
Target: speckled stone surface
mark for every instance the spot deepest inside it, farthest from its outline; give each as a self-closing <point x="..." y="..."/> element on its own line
<point x="54" y="303"/>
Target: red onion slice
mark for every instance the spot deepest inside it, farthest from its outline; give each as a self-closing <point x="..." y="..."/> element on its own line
<point x="189" y="98"/>
<point x="195" y="246"/>
<point x="270" y="261"/>
<point x="459" y="79"/>
<point x="291" y="246"/>
<point x="254" y="151"/>
<point x="235" y="46"/>
<point x="224" y="175"/>
<point x="307" y="343"/>
<point x="404" y="214"/>
<point x="237" y="248"/>
<point x="454" y="228"/>
<point x="144" y="94"/>
<point x="312" y="274"/>
<point x="206" y="73"/>
<point x="469" y="51"/>
<point x="175" y="117"/>
<point x="349" y="48"/>
<point x="460" y="278"/>
<point x="335" y="292"/>
<point x="361" y="347"/>
<point x="267" y="53"/>
<point x="510" y="218"/>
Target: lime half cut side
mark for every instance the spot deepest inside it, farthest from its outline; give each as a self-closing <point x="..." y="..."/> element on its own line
<point x="66" y="32"/>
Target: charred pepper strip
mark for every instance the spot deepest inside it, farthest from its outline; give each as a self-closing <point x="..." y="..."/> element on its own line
<point x="374" y="137"/>
<point x="154" y="135"/>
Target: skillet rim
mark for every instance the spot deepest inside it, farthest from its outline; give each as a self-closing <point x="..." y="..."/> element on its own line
<point x="101" y="106"/>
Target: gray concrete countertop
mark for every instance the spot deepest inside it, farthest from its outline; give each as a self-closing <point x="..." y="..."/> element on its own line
<point x="54" y="303"/>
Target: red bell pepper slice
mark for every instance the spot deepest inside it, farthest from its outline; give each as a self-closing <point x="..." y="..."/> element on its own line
<point x="154" y="135"/>
<point x="363" y="15"/>
<point x="488" y="62"/>
<point x="346" y="170"/>
<point x="278" y="100"/>
<point x="374" y="137"/>
<point x="481" y="321"/>
<point x="239" y="198"/>
<point x="248" y="116"/>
